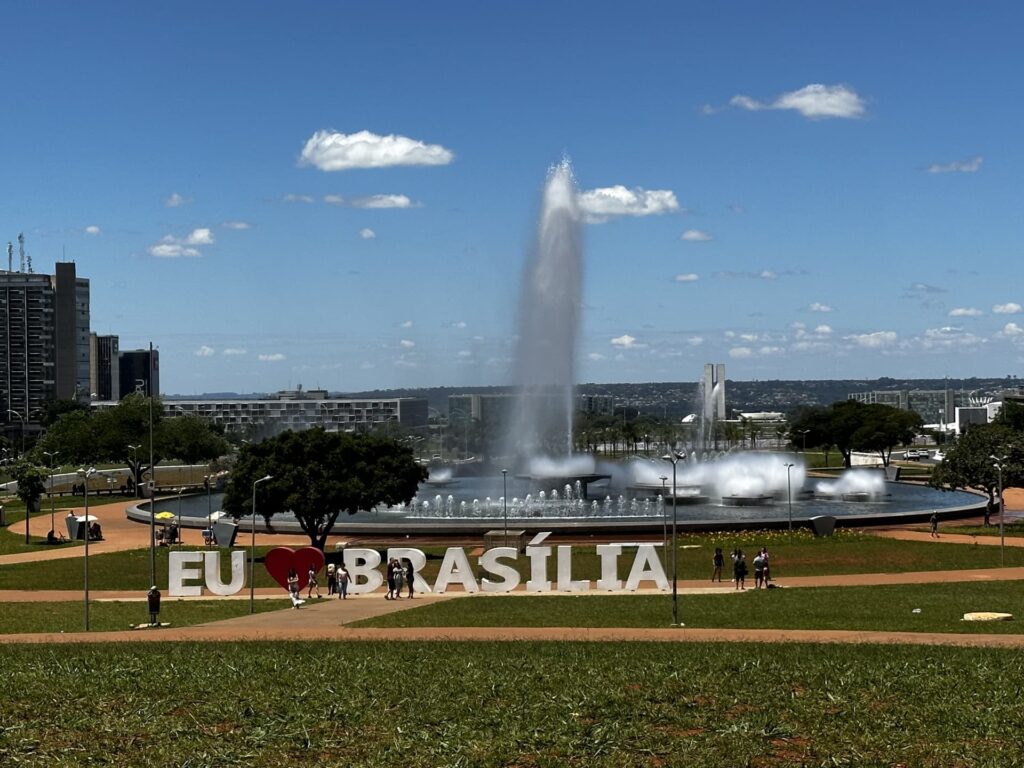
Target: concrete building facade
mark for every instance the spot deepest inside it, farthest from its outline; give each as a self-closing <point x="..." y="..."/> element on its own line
<point x="104" y="368"/>
<point x="135" y="369"/>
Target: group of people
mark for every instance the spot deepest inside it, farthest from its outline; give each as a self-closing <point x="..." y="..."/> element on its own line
<point x="762" y="569"/>
<point x="399" y="575"/>
<point x="338" y="579"/>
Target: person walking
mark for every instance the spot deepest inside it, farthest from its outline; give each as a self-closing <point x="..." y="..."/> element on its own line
<point x="739" y="570"/>
<point x="767" y="568"/>
<point x="934" y="520"/>
<point x="332" y="580"/>
<point x="343" y="581"/>
<point x="311" y="584"/>
<point x="716" y="564"/>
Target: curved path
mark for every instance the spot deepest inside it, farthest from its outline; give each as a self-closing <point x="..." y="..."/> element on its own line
<point x="327" y="619"/>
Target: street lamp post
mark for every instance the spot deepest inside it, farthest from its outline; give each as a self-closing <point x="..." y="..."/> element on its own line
<point x="504" y="500"/>
<point x="208" y="479"/>
<point x="789" y="493"/>
<point x="181" y="490"/>
<point x="85" y="474"/>
<point x="803" y="434"/>
<point x="674" y="456"/>
<point x="22" y="419"/>
<point x="999" y="463"/>
<point x="664" y="518"/>
<point x="50" y="456"/>
<point x="252" y="548"/>
<point x="135" y="464"/>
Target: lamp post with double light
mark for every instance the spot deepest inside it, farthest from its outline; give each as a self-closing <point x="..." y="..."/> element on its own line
<point x="504" y="501"/>
<point x="50" y="456"/>
<point x="674" y="456"/>
<point x="252" y="547"/>
<point x="999" y="462"/>
<point x="789" y="493"/>
<point x="85" y="474"/>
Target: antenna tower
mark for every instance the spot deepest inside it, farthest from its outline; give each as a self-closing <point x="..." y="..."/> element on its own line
<point x="10" y="257"/>
<point x="21" y="251"/>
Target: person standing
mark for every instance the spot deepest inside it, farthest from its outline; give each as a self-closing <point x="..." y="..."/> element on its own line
<point x="293" y="588"/>
<point x="739" y="570"/>
<point x="758" y="570"/>
<point x="934" y="520"/>
<point x="343" y="580"/>
<point x="716" y="564"/>
<point x="767" y="568"/>
<point x="391" y="580"/>
<point x="399" y="578"/>
<point x="410" y="576"/>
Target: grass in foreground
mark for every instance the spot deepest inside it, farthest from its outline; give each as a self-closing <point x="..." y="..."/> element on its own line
<point x="495" y="704"/>
<point x="106" y="616"/>
<point x="886" y="608"/>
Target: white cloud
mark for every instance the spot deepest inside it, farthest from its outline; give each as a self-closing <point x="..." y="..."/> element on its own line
<point x="969" y="165"/>
<point x="740" y="352"/>
<point x="1011" y="329"/>
<point x="824" y="330"/>
<point x="237" y="225"/>
<point x="873" y="340"/>
<point x="769" y="350"/>
<point x="200" y="236"/>
<point x="459" y="324"/>
<point x="205" y="351"/>
<point x="465" y="353"/>
<point x="406" y="324"/>
<point x="293" y="198"/>
<point x="366" y="365"/>
<point x="234" y="351"/>
<point x="814" y="101"/>
<point x="1010" y="308"/>
<point x="749" y="337"/>
<point x="947" y="337"/>
<point x="172" y="251"/>
<point x="696" y="236"/>
<point x="596" y="357"/>
<point x="367" y="234"/>
<point x="274" y="357"/>
<point x="603" y="203"/>
<point x="624" y="342"/>
<point x="372" y="201"/>
<point x="768" y="274"/>
<point x="176" y="200"/>
<point x="687" y="277"/>
<point x="695" y="341"/>
<point x="333" y="151"/>
<point x="407" y="344"/>
<point x="819" y="307"/>
<point x="965" y="312"/>
<point x="92" y="229"/>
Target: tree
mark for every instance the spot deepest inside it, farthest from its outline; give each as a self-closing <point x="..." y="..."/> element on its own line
<point x="31" y="484"/>
<point x="882" y="428"/>
<point x="316" y="475"/>
<point x="192" y="439"/>
<point x="969" y="464"/>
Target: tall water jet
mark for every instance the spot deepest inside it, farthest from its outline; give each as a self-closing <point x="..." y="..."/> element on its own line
<point x="545" y="368"/>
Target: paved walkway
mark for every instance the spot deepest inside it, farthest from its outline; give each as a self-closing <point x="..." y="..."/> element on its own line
<point x="327" y="619"/>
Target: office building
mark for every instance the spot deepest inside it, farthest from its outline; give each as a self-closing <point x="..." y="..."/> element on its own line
<point x="104" y="368"/>
<point x="265" y="417"/>
<point x="934" y="406"/>
<point x="44" y="342"/>
<point x="135" y="369"/>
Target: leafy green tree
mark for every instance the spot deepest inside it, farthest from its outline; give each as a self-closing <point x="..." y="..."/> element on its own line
<point x="31" y="484"/>
<point x="317" y="475"/>
<point x="968" y="462"/>
<point x="882" y="428"/>
<point x="191" y="439"/>
<point x="73" y="437"/>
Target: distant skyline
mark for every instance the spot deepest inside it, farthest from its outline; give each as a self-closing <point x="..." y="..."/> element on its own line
<point x="342" y="196"/>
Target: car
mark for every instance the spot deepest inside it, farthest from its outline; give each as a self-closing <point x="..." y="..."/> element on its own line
<point x="913" y="455"/>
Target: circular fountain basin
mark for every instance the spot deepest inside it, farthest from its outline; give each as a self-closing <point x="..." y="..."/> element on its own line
<point x="748" y="501"/>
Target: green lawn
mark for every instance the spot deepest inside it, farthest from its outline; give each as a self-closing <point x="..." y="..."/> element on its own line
<point x="796" y="554"/>
<point x="889" y="608"/>
<point x="416" y="705"/>
<point x="12" y="538"/>
<point x="1012" y="528"/>
<point x="105" y="616"/>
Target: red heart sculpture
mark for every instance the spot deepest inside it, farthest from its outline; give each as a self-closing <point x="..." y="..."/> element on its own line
<point x="280" y="560"/>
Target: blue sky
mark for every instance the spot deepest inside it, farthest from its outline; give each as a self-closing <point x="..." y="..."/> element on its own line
<point x="342" y="195"/>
